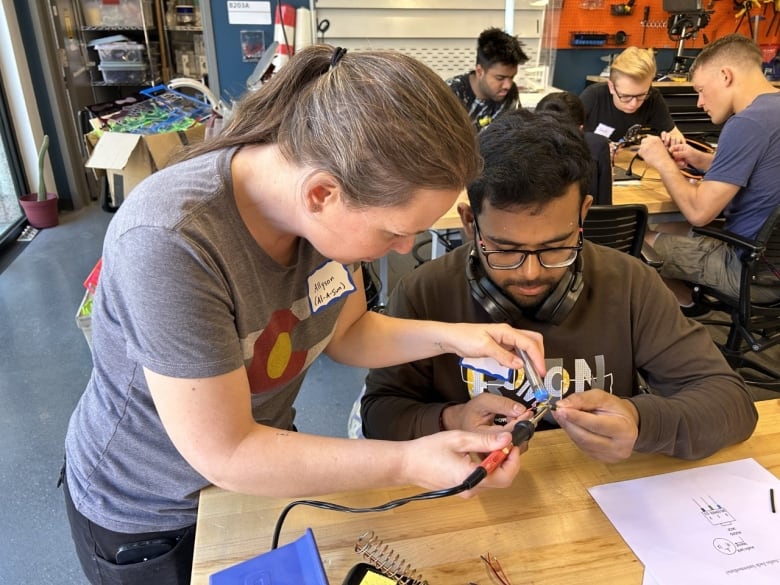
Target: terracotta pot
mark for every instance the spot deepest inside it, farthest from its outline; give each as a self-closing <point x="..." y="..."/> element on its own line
<point x="40" y="214"/>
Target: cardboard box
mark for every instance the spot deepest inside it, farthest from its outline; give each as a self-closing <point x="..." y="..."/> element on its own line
<point x="128" y="159"/>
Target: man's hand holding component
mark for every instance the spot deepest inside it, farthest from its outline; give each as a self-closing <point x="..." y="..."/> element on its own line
<point x="479" y="413"/>
<point x="602" y="425"/>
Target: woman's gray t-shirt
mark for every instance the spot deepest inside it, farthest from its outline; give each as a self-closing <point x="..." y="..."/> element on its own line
<point x="186" y="292"/>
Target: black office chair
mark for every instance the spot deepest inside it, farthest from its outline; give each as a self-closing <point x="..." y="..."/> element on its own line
<point x="622" y="227"/>
<point x="617" y="226"/>
<point x="753" y="327"/>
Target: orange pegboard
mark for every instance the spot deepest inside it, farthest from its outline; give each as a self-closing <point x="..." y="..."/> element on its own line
<point x="596" y="16"/>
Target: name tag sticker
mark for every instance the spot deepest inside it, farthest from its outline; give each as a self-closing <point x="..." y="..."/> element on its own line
<point x="486" y="365"/>
<point x="604" y="130"/>
<point x="327" y="284"/>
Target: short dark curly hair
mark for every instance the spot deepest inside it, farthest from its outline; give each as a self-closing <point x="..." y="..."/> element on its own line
<point x="529" y="160"/>
<point x="496" y="46"/>
<point x="565" y="102"/>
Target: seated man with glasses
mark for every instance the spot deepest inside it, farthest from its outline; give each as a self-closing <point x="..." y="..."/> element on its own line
<point x="603" y="315"/>
<point x="628" y="98"/>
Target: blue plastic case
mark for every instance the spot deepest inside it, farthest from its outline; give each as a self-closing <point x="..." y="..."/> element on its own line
<point x="297" y="563"/>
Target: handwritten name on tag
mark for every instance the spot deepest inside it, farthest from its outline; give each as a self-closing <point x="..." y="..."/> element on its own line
<point x="328" y="283"/>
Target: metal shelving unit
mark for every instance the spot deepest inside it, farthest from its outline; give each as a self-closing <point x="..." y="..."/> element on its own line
<point x="184" y="44"/>
<point x="146" y="34"/>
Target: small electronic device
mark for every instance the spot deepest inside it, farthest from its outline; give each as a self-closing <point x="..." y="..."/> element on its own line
<point x="533" y="377"/>
<point x="365" y="574"/>
<point x="143" y="550"/>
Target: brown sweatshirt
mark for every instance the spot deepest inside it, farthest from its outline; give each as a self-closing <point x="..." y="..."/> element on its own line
<point x="625" y="321"/>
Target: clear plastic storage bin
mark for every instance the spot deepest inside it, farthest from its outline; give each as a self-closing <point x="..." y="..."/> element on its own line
<point x="121" y="52"/>
<point x="120" y="72"/>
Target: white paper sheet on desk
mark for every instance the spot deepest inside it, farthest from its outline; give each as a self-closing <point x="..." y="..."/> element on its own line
<point x="711" y="525"/>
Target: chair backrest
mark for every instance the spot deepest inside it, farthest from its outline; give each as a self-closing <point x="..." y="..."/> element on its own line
<point x="754" y="317"/>
<point x="769" y="236"/>
<point x="617" y="226"/>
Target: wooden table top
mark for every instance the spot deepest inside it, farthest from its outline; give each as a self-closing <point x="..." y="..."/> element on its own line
<point x="545" y="529"/>
<point x="649" y="190"/>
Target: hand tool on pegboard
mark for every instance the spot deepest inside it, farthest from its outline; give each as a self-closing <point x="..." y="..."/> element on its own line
<point x="645" y="20"/>
<point x="775" y="11"/>
<point x="744" y="11"/>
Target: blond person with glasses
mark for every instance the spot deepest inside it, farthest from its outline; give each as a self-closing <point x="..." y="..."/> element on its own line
<point x="627" y="98"/>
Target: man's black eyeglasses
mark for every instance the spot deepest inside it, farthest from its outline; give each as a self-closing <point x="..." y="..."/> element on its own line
<point x="548" y="257"/>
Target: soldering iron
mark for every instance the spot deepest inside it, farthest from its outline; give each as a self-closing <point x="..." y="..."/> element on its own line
<point x="534" y="379"/>
<point x="522" y="432"/>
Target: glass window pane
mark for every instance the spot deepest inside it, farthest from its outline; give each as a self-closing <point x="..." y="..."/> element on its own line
<point x="10" y="210"/>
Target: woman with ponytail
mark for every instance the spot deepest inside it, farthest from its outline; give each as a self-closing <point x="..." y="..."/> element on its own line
<point x="227" y="273"/>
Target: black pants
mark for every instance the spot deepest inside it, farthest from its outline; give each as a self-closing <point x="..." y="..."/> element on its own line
<point x="97" y="549"/>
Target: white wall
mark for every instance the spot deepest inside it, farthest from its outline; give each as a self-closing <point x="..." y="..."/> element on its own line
<point x="441" y="33"/>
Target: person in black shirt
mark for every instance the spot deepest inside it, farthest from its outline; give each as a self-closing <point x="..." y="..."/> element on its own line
<point x="489" y="89"/>
<point x="627" y="98"/>
<point x="603" y="315"/>
<point x="568" y="104"/>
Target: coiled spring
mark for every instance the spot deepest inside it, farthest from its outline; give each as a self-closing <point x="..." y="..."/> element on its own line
<point x="384" y="558"/>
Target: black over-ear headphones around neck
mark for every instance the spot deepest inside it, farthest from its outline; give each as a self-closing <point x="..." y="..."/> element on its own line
<point x="503" y="309"/>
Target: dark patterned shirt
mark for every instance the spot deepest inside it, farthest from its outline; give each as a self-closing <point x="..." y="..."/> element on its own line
<point x="480" y="111"/>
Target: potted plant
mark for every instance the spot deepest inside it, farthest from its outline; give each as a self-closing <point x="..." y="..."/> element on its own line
<point x="41" y="207"/>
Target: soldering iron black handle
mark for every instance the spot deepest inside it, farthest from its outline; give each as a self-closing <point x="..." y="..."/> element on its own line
<point x="476" y="476"/>
<point x="522" y="432"/>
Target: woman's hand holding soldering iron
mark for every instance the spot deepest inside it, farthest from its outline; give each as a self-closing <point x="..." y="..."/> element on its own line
<point x="602" y="425"/>
<point x="444" y="459"/>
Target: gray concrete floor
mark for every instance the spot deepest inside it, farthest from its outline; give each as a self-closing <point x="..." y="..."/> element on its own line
<point x="44" y="366"/>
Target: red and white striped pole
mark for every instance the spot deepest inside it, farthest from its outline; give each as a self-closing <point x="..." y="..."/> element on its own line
<point x="284" y="34"/>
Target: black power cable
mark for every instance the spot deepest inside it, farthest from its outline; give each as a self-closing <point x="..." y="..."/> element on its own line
<point x="521" y="432"/>
<point x="477" y="475"/>
<point x="372" y="285"/>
